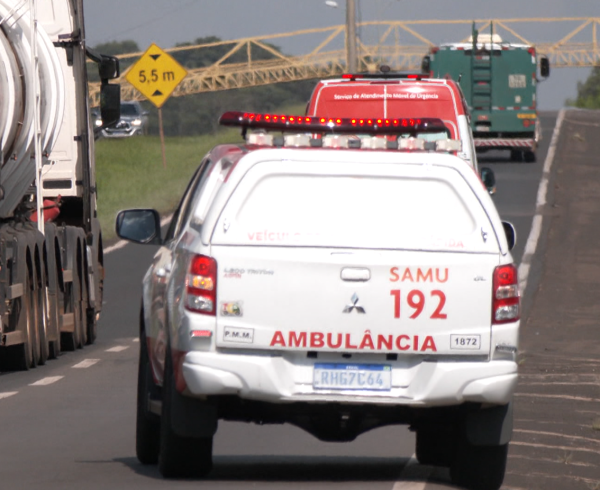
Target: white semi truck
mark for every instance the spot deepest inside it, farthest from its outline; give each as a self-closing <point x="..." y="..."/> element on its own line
<point x="51" y="264"/>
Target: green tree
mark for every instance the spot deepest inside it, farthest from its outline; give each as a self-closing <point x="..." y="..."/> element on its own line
<point x="114" y="48"/>
<point x="588" y="92"/>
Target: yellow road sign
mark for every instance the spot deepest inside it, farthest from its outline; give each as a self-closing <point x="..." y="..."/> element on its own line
<point x="156" y="74"/>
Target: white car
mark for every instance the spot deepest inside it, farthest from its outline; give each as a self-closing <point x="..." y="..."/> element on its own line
<point x="334" y="282"/>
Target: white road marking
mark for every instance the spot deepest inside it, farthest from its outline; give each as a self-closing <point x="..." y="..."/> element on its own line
<point x="117" y="348"/>
<point x="122" y="243"/>
<point x="560" y="397"/>
<point x="136" y="339"/>
<point x="560" y="448"/>
<point x="413" y="470"/>
<point x="556" y="434"/>
<point x="86" y="363"/>
<point x="46" y="381"/>
<point x="6" y="394"/>
<point x="536" y="225"/>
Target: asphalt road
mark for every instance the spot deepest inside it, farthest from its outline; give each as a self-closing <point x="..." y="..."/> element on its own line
<point x="71" y="423"/>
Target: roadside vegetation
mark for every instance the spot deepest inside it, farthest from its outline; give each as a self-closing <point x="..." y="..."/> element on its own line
<point x="130" y="172"/>
<point x="588" y="92"/>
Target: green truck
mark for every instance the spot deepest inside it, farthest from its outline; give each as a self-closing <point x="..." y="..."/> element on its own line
<point x="499" y="80"/>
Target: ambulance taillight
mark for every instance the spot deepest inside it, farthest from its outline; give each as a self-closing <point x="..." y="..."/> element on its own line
<point x="201" y="285"/>
<point x="506" y="297"/>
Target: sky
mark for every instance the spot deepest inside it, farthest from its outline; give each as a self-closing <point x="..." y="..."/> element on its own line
<point x="167" y="22"/>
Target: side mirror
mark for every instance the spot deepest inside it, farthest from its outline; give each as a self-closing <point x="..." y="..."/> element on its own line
<point x="426" y="64"/>
<point x="110" y="104"/>
<point x="489" y="179"/>
<point x="544" y="67"/>
<point x="139" y="226"/>
<point x="511" y="234"/>
<point x="109" y="67"/>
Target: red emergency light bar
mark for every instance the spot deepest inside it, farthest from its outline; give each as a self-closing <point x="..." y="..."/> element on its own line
<point x="316" y="124"/>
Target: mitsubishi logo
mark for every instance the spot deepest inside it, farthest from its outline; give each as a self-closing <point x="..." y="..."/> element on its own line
<point x="354" y="306"/>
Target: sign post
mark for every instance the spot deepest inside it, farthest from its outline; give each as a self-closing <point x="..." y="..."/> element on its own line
<point x="156" y="74"/>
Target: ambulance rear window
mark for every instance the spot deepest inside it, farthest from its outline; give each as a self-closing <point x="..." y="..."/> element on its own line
<point x="420" y="210"/>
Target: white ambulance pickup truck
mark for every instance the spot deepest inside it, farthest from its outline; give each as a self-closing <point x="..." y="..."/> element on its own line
<point x="335" y="274"/>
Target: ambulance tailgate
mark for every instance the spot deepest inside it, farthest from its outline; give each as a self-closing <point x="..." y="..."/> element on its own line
<point x="346" y="255"/>
<point x="354" y="300"/>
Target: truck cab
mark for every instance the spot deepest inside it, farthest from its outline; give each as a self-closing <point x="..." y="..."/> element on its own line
<point x="499" y="80"/>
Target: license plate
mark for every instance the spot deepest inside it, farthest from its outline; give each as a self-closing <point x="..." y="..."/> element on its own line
<point x="352" y="377"/>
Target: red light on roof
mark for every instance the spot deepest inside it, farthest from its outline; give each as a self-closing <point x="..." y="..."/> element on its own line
<point x="347" y="76"/>
<point x="414" y="77"/>
<point x="326" y="124"/>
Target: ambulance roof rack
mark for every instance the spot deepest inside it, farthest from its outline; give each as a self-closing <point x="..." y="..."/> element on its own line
<point x="383" y="76"/>
<point x="322" y="132"/>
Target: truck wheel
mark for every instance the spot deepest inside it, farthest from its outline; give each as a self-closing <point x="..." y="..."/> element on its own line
<point x="529" y="157"/>
<point x="180" y="457"/>
<point x="433" y="446"/>
<point x="478" y="467"/>
<point x="21" y="357"/>
<point x="147" y="429"/>
<point x="33" y="321"/>
<point x="71" y="341"/>
<point x="40" y="312"/>
<point x="516" y="156"/>
<point x="53" y="294"/>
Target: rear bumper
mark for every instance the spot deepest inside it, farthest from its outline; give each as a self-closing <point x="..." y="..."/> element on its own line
<point x="415" y="383"/>
<point x="506" y="143"/>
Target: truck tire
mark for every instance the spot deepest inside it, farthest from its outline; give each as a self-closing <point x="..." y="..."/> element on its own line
<point x="73" y="292"/>
<point x="529" y="156"/>
<point x="478" y="467"/>
<point x="516" y="156"/>
<point x="33" y="317"/>
<point x="180" y="457"/>
<point x="22" y="357"/>
<point x="40" y="311"/>
<point x="53" y="293"/>
<point x="433" y="446"/>
<point x="147" y="428"/>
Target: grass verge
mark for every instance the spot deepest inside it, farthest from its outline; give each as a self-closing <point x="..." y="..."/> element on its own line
<point x="130" y="172"/>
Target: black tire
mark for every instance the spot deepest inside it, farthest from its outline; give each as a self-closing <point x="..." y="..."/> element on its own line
<point x="22" y="357"/>
<point x="433" y="447"/>
<point x="53" y="297"/>
<point x="40" y="311"/>
<point x="516" y="156"/>
<point x="147" y="428"/>
<point x="83" y="294"/>
<point x="71" y="341"/>
<point x="529" y="157"/>
<point x="92" y="326"/>
<point x="478" y="467"/>
<point x="33" y="321"/>
<point x="180" y="457"/>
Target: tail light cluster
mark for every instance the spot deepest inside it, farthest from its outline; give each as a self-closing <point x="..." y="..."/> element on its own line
<point x="506" y="297"/>
<point x="201" y="285"/>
